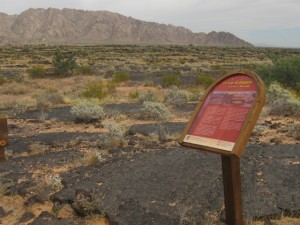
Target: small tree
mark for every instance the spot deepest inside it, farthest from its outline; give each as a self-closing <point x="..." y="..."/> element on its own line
<point x="63" y="65"/>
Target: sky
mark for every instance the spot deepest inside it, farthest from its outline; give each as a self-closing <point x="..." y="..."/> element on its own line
<point x="274" y="23"/>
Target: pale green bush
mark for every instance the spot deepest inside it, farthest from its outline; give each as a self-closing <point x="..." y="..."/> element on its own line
<point x="175" y="96"/>
<point x="155" y="110"/>
<point x="87" y="112"/>
<point x="148" y="97"/>
<point x="281" y="101"/>
<point x="116" y="135"/>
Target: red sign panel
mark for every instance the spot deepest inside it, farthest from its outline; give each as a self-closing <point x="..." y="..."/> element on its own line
<point x="223" y="113"/>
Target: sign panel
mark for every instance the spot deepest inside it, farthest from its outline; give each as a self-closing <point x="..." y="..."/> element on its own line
<point x="3" y="132"/>
<point x="226" y="115"/>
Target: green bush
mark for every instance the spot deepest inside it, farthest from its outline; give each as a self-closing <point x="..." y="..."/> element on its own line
<point x="109" y="73"/>
<point x="2" y="81"/>
<point x="281" y="101"/>
<point x="285" y="71"/>
<point x="134" y="94"/>
<point x="98" y="89"/>
<point x="205" y="80"/>
<point x="85" y="69"/>
<point x="87" y="112"/>
<point x="63" y="65"/>
<point x="174" y="95"/>
<point x="38" y="71"/>
<point x="155" y="110"/>
<point x="170" y="80"/>
<point x="120" y="77"/>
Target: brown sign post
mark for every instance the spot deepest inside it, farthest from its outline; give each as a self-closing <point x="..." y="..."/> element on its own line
<point x="222" y="123"/>
<point x="3" y="137"/>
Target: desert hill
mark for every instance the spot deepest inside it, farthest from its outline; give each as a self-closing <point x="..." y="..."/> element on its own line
<point x="70" y="26"/>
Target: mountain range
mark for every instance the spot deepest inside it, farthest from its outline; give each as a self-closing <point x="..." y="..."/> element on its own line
<point x="70" y="26"/>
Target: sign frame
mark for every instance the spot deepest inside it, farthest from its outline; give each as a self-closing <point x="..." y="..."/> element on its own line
<point x="248" y="124"/>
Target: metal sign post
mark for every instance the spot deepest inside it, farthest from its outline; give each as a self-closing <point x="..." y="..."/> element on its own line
<point x="3" y="137"/>
<point x="222" y="123"/>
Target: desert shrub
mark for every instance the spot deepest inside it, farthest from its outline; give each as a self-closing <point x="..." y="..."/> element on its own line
<point x="120" y="77"/>
<point x="170" y="80"/>
<point x="174" y="95"/>
<point x="85" y="69"/>
<point x="205" y="80"/>
<point x="63" y="65"/>
<point x="134" y="94"/>
<point x="116" y="135"/>
<point x="281" y="101"/>
<point x="98" y="89"/>
<point x="2" y="81"/>
<point x="148" y="82"/>
<point x="38" y="71"/>
<point x="87" y="112"/>
<point x="49" y="99"/>
<point x="109" y="73"/>
<point x="155" y="110"/>
<point x="285" y="71"/>
<point x="148" y="97"/>
<point x="296" y="132"/>
<point x="14" y="88"/>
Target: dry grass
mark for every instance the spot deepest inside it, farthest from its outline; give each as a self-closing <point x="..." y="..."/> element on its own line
<point x="281" y="221"/>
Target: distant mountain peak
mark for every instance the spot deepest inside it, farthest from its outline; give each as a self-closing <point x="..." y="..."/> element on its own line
<point x="70" y="26"/>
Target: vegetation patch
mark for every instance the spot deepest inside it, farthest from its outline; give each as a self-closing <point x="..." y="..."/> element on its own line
<point x="120" y="77"/>
<point x="170" y="80"/>
<point x="98" y="89"/>
<point x="63" y="65"/>
<point x="175" y="96"/>
<point x="285" y="71"/>
<point x="205" y="80"/>
<point x="87" y="112"/>
<point x="282" y="102"/>
<point x="38" y="71"/>
<point x="155" y="110"/>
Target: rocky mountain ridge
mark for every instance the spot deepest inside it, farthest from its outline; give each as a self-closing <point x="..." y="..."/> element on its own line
<point x="70" y="26"/>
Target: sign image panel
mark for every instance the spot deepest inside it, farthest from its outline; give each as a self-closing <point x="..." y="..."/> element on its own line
<point x="224" y="111"/>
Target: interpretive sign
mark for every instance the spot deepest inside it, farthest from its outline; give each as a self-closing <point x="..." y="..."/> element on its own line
<point x="226" y="114"/>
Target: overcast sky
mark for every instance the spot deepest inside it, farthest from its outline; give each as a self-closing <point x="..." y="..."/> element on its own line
<point x="267" y="22"/>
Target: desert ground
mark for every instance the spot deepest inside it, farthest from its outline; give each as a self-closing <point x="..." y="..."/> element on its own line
<point x="98" y="143"/>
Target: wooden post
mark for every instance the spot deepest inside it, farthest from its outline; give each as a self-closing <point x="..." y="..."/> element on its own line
<point x="3" y="137"/>
<point x="232" y="190"/>
<point x="2" y="154"/>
